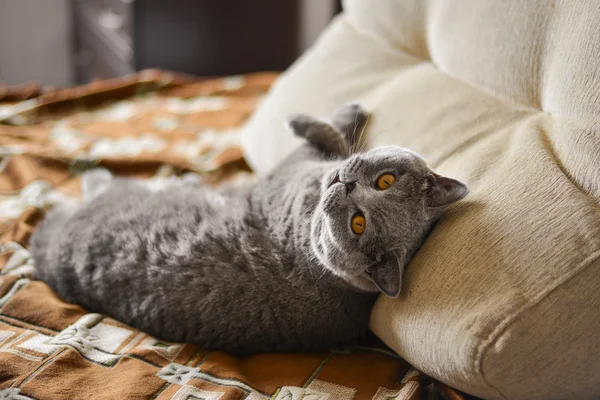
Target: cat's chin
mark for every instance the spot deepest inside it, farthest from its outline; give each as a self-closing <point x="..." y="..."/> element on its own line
<point x="361" y="281"/>
<point x="364" y="282"/>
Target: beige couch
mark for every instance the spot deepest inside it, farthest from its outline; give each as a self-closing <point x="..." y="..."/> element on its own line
<point x="503" y="301"/>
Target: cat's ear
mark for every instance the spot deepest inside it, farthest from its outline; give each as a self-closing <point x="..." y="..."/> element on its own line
<point x="387" y="275"/>
<point x="444" y="191"/>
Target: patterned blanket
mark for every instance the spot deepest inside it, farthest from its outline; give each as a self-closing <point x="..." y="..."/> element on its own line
<point x="152" y="125"/>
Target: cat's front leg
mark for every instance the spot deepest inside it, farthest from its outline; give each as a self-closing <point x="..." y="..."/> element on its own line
<point x="337" y="137"/>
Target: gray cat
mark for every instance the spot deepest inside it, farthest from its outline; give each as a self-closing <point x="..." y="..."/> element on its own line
<point x="293" y="262"/>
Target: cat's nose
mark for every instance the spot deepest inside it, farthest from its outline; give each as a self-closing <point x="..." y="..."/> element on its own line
<point x="350" y="186"/>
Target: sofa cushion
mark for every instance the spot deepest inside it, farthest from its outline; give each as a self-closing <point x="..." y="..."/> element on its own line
<point x="502" y="300"/>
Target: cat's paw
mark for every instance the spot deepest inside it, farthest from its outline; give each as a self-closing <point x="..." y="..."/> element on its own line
<point x="339" y="135"/>
<point x="319" y="134"/>
<point x="351" y="120"/>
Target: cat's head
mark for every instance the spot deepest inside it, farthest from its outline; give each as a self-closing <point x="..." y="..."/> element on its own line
<point x="375" y="211"/>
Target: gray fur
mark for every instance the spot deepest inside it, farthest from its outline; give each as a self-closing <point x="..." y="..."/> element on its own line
<point x="272" y="267"/>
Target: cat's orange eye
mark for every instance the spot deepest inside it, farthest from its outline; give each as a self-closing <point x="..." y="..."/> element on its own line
<point x="385" y="181"/>
<point x="358" y="224"/>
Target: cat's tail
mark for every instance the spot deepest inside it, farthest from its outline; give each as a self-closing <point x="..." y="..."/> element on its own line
<point x="41" y="243"/>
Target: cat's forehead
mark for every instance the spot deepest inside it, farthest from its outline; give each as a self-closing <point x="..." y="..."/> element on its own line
<point x="394" y="156"/>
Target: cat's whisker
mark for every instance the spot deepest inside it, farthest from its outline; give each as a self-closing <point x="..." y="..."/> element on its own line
<point x="351" y="135"/>
<point x="340" y="144"/>
<point x="324" y="272"/>
<point x="358" y="141"/>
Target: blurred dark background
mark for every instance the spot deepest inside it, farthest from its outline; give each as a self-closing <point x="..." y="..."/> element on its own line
<point x="67" y="42"/>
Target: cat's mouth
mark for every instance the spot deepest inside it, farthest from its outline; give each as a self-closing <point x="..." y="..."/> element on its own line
<point x="335" y="180"/>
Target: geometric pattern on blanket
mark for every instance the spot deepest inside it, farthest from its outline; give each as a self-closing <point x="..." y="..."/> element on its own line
<point x="152" y="125"/>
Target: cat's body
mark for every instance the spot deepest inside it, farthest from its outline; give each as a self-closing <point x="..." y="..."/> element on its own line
<point x="242" y="270"/>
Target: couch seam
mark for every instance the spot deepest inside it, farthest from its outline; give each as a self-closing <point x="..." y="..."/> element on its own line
<point x="524" y="117"/>
<point x="398" y="51"/>
<point x="402" y="51"/>
<point x="550" y="148"/>
<point x="484" y="345"/>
